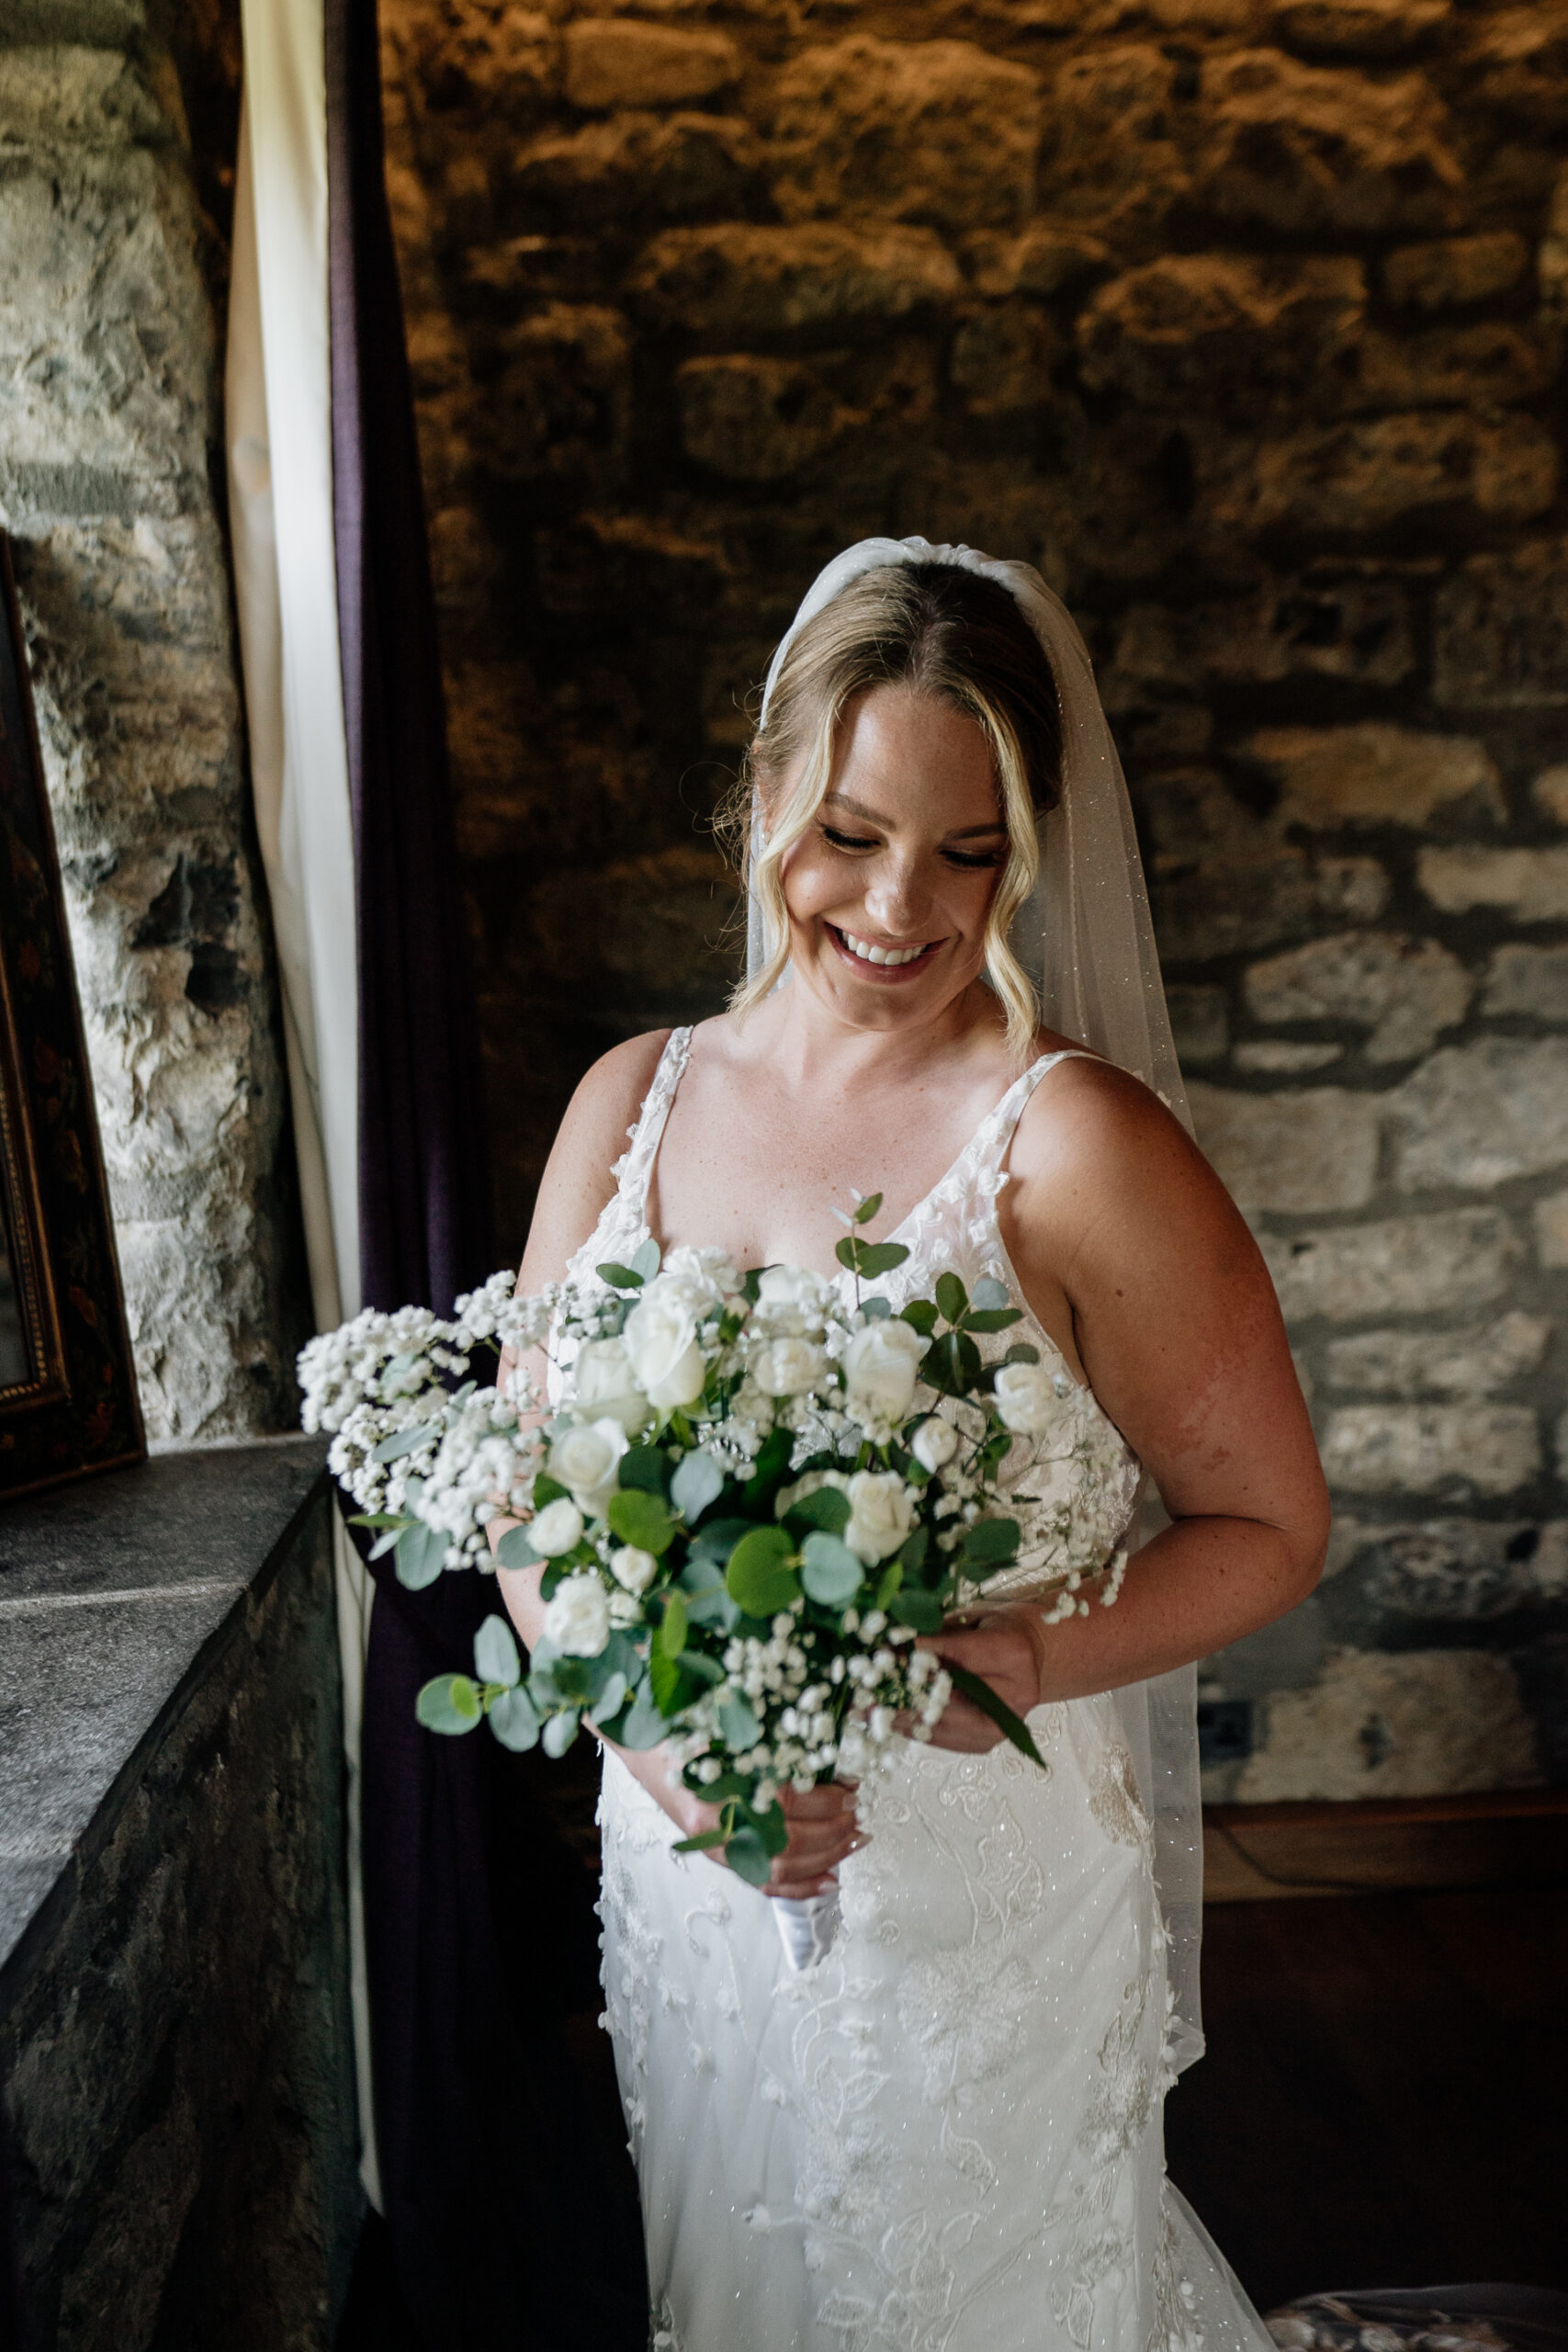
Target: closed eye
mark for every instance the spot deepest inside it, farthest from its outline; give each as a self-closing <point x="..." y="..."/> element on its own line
<point x="848" y="841"/>
<point x="856" y="844"/>
<point x="972" y="859"/>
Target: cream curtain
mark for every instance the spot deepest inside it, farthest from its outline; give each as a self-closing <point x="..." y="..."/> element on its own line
<point x="278" y="438"/>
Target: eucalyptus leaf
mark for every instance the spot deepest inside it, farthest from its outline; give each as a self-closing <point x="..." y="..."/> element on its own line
<point x="401" y="1442"/>
<point x="910" y="1606"/>
<point x="641" y="1467"/>
<point x="759" y="1577"/>
<point x="641" y="1519"/>
<point x="992" y="1318"/>
<point x="738" y="1724"/>
<point x="989" y="1293"/>
<point x="515" y="1551"/>
<point x="644" y="1726"/>
<point x="866" y="1210"/>
<point x="450" y="1703"/>
<point x="913" y="1550"/>
<point x="515" y="1721"/>
<point x="664" y="1680"/>
<point x="950" y="1295"/>
<point x="876" y="1309"/>
<point x="559" y="1734"/>
<point x="772" y="1826"/>
<point x="748" y="1858"/>
<point x="874" y="1258"/>
<point x="1022" y="1352"/>
<point x="830" y="1571"/>
<point x="702" y="1668"/>
<point x="421" y="1555"/>
<point x="670" y="1638"/>
<point x="386" y="1543"/>
<point x="827" y="1507"/>
<point x="990" y="1544"/>
<point x="618" y="1277"/>
<point x="981" y="1695"/>
<point x="921" y="1316"/>
<point x="495" y="1654"/>
<point x="697" y="1483"/>
<point x="646" y="1259"/>
<point x="610" y="1702"/>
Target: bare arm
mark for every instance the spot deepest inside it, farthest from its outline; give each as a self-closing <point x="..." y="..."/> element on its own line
<point x="576" y="1185"/>
<point x="1178" y="1327"/>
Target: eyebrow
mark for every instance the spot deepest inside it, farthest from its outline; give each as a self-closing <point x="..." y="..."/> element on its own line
<point x="859" y="808"/>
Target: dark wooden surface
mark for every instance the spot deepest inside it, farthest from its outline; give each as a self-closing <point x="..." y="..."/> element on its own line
<point x="1383" y="2096"/>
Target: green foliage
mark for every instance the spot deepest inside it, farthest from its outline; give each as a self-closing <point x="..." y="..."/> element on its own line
<point x="989" y="1293"/>
<point x="830" y="1571"/>
<point x="770" y="1470"/>
<point x="921" y="1316"/>
<point x="420" y="1556"/>
<point x="869" y="1258"/>
<point x="866" y="1210"/>
<point x="1022" y="1352"/>
<point x="991" y="1319"/>
<point x="401" y="1442"/>
<point x="759" y="1577"/>
<point x="952" y="1365"/>
<point x="826" y="1508"/>
<point x="515" y="1721"/>
<point x="618" y="1277"/>
<point x="646" y="1259"/>
<point x="610" y="1702"/>
<point x="515" y="1551"/>
<point x="642" y="1467"/>
<point x="952" y="1298"/>
<point x="1012" y="1726"/>
<point x="495" y="1654"/>
<point x="670" y="1638"/>
<point x="912" y="1606"/>
<point x="559" y="1734"/>
<point x="696" y="1485"/>
<point x="641" y="1519"/>
<point x="642" y="1725"/>
<point x="451" y="1704"/>
<point x="738" y="1724"/>
<point x="990" y="1544"/>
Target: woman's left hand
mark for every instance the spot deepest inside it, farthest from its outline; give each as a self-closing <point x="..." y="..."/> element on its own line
<point x="1006" y="1649"/>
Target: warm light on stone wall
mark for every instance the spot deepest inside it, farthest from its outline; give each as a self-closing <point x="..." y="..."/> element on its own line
<point x="1245" y="322"/>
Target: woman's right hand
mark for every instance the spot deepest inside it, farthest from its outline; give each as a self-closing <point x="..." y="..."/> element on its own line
<point x="822" y="1826"/>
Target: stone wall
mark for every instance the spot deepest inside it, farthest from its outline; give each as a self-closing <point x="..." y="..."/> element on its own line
<point x="110" y="377"/>
<point x="1244" y="319"/>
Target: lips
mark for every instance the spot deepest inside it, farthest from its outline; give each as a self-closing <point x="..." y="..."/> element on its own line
<point x="870" y="960"/>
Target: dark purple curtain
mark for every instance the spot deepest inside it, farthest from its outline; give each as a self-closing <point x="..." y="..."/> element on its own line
<point x="505" y="2229"/>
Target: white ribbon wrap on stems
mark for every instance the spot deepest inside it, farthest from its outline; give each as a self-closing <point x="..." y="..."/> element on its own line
<point x="807" y="1925"/>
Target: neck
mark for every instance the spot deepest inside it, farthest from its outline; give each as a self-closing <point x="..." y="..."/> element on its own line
<point x="805" y="1043"/>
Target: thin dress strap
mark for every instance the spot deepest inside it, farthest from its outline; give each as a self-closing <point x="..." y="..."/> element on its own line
<point x="634" y="1171"/>
<point x="993" y="1140"/>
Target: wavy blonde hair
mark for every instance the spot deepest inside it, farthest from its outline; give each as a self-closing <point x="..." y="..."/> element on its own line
<point x="944" y="632"/>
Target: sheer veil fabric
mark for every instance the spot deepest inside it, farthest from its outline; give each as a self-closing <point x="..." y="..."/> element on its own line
<point x="1086" y="939"/>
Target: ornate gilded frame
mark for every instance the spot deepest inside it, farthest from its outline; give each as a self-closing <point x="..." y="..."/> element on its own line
<point x="75" y="1410"/>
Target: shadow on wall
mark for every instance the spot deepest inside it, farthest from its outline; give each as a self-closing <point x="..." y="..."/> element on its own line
<point x="1242" y="319"/>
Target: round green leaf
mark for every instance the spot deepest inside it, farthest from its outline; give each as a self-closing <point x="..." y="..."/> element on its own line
<point x="830" y="1571"/>
<point x="642" y="1519"/>
<point x="739" y="1724"/>
<point x="515" y="1551"/>
<point x="759" y="1577"/>
<point x="826" y="1507"/>
<point x="515" y="1721"/>
<point x="420" y="1556"/>
<point x="644" y="1725"/>
<point x="989" y="1294"/>
<point x="450" y="1703"/>
<point x="910" y="1606"/>
<point x="950" y="1295"/>
<point x="559" y="1734"/>
<point x="610" y="1702"/>
<point x="748" y="1858"/>
<point x="698" y="1481"/>
<point x="495" y="1653"/>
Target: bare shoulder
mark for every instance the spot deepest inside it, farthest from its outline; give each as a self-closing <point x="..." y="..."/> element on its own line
<point x="579" y="1175"/>
<point x="1096" y="1149"/>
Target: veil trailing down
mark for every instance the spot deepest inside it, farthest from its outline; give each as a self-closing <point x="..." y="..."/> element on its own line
<point x="947" y="2135"/>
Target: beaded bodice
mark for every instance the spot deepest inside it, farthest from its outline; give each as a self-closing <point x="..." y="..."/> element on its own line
<point x="1082" y="1477"/>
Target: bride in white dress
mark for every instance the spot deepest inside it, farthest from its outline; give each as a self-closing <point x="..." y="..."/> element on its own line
<point x="947" y="2135"/>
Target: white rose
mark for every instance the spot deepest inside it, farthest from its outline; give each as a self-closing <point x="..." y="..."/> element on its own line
<point x="706" y="1276"/>
<point x="880" y="1365"/>
<point x="660" y="1338"/>
<point x="787" y="1366"/>
<point x="578" y="1620"/>
<point x="557" y="1527"/>
<point x="934" y="1443"/>
<point x="632" y="1567"/>
<point x="792" y="1299"/>
<point x="1026" y="1399"/>
<point x="584" y="1458"/>
<point x="881" y="1514"/>
<point x="601" y="1384"/>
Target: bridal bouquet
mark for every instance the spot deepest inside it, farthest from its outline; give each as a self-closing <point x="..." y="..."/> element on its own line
<point x="749" y="1497"/>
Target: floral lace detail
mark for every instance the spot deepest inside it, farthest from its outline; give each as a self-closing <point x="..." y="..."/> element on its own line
<point x="623" y="1222"/>
<point x="663" y="2336"/>
<point x="1175" y="2328"/>
<point x="1115" y="1805"/>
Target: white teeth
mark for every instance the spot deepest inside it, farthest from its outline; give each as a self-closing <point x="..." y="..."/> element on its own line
<point x="870" y="953"/>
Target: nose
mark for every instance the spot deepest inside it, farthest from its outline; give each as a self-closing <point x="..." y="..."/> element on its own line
<point x="897" y="899"/>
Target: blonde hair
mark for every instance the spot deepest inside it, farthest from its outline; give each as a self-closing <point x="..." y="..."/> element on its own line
<point x="944" y="632"/>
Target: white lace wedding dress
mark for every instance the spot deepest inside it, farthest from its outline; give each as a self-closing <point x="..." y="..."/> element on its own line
<point x="947" y="2136"/>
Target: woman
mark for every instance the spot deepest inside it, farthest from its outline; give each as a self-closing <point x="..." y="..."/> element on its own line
<point x="948" y="2133"/>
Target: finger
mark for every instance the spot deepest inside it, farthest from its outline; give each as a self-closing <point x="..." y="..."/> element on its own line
<point x="821" y="1803"/>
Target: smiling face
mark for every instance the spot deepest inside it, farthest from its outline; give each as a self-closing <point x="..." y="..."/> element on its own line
<point x="889" y="889"/>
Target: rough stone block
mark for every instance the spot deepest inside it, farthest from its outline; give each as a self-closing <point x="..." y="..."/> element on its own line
<point x="1482" y="1113"/>
<point x="1367" y="476"/>
<point x="1109" y="155"/>
<point x="562" y="403"/>
<point x="1551" y="1231"/>
<point x="637" y="166"/>
<point x="1297" y="627"/>
<point x="73" y="96"/>
<point x="1229" y="330"/>
<point x="1460" y="1571"/>
<point x="1531" y="884"/>
<point x="1529" y="981"/>
<point x="1550" y="795"/>
<point x="1431" y="1449"/>
<point x="499" y="63"/>
<point x="1404" y="989"/>
<point x="1299" y="148"/>
<point x="1460" y="1258"/>
<point x="1501" y="630"/>
<point x="1284" y="1057"/>
<point x="1001" y="361"/>
<point x="1043" y="260"/>
<point x="1422" y="1722"/>
<point x="1445" y="272"/>
<point x="1235" y="903"/>
<point x="1473" y="1362"/>
<point x="735" y="281"/>
<point x="756" y="420"/>
<point x="1373" y="29"/>
<point x="1493" y="362"/>
<point x="1521" y="62"/>
<point x="669" y="957"/>
<point x="1375" y="774"/>
<point x="615" y="61"/>
<point x="1297" y="1153"/>
<point x="934" y="131"/>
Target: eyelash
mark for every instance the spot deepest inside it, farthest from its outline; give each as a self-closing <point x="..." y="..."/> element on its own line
<point x="968" y="862"/>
